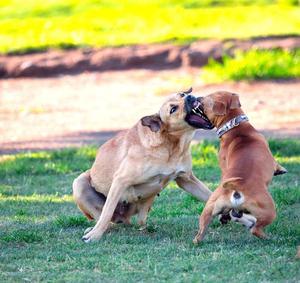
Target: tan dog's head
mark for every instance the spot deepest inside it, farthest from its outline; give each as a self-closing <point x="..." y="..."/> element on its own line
<point x="219" y="105"/>
<point x="176" y="115"/>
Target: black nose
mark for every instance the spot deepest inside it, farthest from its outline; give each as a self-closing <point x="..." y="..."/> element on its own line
<point x="190" y="99"/>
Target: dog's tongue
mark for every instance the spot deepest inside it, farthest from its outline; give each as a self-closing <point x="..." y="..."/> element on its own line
<point x="197" y="119"/>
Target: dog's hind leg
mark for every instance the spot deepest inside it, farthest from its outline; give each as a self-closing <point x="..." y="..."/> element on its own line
<point x="214" y="206"/>
<point x="143" y="210"/>
<point x="204" y="220"/>
<point x="89" y="201"/>
<point x="264" y="212"/>
<point x="265" y="218"/>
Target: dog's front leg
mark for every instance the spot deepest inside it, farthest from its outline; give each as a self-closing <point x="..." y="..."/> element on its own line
<point x="192" y="185"/>
<point x="117" y="188"/>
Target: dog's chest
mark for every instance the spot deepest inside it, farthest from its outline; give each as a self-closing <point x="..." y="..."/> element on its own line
<point x="166" y="174"/>
<point x="154" y="184"/>
<point x="171" y="171"/>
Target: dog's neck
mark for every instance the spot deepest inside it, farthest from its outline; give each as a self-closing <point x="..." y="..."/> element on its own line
<point x="231" y="124"/>
<point x="180" y="140"/>
<point x="221" y="120"/>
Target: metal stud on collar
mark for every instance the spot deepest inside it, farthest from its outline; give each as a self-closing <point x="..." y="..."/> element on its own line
<point x="231" y="124"/>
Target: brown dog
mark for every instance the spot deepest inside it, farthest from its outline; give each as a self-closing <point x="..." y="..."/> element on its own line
<point x="132" y="168"/>
<point x="247" y="167"/>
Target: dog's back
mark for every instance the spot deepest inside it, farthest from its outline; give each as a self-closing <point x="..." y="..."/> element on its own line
<point x="248" y="156"/>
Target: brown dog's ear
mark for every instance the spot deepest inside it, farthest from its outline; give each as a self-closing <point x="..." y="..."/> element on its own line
<point x="219" y="108"/>
<point x="153" y="122"/>
<point x="235" y="101"/>
<point x="231" y="183"/>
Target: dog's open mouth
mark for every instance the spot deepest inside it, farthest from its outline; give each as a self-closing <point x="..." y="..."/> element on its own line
<point x="196" y="117"/>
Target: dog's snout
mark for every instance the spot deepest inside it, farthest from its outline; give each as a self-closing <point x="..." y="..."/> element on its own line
<point x="200" y="99"/>
<point x="189" y="98"/>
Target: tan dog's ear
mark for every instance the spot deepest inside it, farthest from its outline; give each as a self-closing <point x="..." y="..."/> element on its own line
<point x="219" y="108"/>
<point x="153" y="122"/>
<point x="231" y="183"/>
<point x="235" y="102"/>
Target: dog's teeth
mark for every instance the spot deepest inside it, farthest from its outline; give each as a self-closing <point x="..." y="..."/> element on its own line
<point x="199" y="112"/>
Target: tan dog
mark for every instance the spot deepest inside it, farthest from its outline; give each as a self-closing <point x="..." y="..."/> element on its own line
<point x="247" y="167"/>
<point x="132" y="168"/>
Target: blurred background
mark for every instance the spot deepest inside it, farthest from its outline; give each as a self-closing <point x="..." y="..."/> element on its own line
<point x="76" y="72"/>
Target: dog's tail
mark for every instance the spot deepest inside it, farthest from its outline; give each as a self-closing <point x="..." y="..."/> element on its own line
<point x="279" y="170"/>
<point x="236" y="197"/>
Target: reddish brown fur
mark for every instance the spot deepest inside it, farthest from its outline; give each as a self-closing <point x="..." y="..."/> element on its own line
<point x="244" y="156"/>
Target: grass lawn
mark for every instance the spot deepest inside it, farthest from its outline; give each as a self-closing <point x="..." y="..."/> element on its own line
<point x="38" y="25"/>
<point x="254" y="65"/>
<point x="41" y="228"/>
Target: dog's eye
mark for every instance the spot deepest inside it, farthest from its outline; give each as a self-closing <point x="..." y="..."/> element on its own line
<point x="173" y="109"/>
<point x="182" y="94"/>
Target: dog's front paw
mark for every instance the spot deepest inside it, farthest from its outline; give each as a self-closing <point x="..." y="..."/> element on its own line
<point x="87" y="230"/>
<point x="86" y="239"/>
<point x="91" y="236"/>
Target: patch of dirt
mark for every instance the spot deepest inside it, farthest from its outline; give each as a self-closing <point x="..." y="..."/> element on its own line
<point x="152" y="57"/>
<point x="51" y="113"/>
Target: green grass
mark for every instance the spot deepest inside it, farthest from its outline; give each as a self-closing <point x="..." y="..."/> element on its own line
<point x="39" y="25"/>
<point x="254" y="65"/>
<point x="41" y="228"/>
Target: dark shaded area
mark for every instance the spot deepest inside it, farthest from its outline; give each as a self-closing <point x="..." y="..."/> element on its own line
<point x="97" y="138"/>
<point x="154" y="57"/>
<point x="76" y="139"/>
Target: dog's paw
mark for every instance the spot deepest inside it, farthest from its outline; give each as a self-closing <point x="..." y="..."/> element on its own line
<point x="197" y="240"/>
<point x="142" y="227"/>
<point x="86" y="239"/>
<point x="224" y="218"/>
<point x="92" y="236"/>
<point x="259" y="233"/>
<point x="87" y="230"/>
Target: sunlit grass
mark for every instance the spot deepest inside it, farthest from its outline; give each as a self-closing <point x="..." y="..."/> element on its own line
<point x="41" y="227"/>
<point x="37" y="198"/>
<point x="38" y="25"/>
<point x="37" y="163"/>
<point x="254" y="65"/>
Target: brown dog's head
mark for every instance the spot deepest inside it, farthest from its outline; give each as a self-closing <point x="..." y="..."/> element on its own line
<point x="177" y="115"/>
<point x="219" y="106"/>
